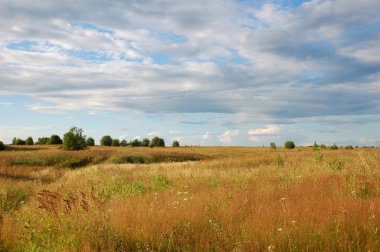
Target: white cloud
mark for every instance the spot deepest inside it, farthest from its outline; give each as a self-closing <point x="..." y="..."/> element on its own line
<point x="228" y="136"/>
<point x="255" y="134"/>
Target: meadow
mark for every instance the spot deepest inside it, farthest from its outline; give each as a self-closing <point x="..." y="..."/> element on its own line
<point x="189" y="199"/>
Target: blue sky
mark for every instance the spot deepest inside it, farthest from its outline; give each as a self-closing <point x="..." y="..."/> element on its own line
<point x="218" y="72"/>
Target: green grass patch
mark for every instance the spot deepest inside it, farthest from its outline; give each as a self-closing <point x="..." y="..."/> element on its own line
<point x="60" y="161"/>
<point x="12" y="198"/>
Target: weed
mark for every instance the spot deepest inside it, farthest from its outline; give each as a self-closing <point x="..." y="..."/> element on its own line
<point x="279" y="161"/>
<point x="160" y="181"/>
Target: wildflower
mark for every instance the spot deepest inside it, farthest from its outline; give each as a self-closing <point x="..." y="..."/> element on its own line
<point x="279" y="229"/>
<point x="353" y="193"/>
<point x="271" y="247"/>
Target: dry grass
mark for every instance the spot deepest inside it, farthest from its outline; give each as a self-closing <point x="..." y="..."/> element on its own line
<point x="234" y="199"/>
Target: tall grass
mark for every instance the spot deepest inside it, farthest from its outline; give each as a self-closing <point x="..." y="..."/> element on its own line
<point x="246" y="199"/>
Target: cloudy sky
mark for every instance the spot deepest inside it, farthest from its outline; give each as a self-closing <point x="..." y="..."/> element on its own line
<point x="216" y="72"/>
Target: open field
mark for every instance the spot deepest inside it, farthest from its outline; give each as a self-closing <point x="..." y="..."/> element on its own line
<point x="189" y="199"/>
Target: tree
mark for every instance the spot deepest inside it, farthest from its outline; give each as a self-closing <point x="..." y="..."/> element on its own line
<point x="90" y="141"/>
<point x="18" y="141"/>
<point x="106" y="141"/>
<point x="157" y="142"/>
<point x="289" y="145"/>
<point x="123" y="143"/>
<point x="55" y="139"/>
<point x="74" y="140"/>
<point x="175" y="143"/>
<point x="2" y="146"/>
<point x="333" y="147"/>
<point x="43" y="140"/>
<point x="135" y="142"/>
<point x="29" y="141"/>
<point x="273" y="145"/>
<point x="145" y="142"/>
<point x="115" y="142"/>
<point x="315" y="146"/>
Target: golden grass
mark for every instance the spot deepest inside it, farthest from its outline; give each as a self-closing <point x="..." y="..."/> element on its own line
<point x="235" y="199"/>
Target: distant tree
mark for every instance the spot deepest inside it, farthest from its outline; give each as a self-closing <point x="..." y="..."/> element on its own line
<point x="334" y="147"/>
<point x="135" y="142"/>
<point x="90" y="141"/>
<point x="2" y="146"/>
<point x="14" y="141"/>
<point x="175" y="143"/>
<point x="157" y="142"/>
<point x="55" y="139"/>
<point x="145" y="142"/>
<point x="115" y="142"/>
<point x="273" y="145"/>
<point x="123" y="143"/>
<point x="349" y="147"/>
<point x="43" y="140"/>
<point x="18" y="141"/>
<point x="74" y="140"/>
<point x="315" y="146"/>
<point x="29" y="141"/>
<point x="106" y="141"/>
<point x="289" y="145"/>
<point x="323" y="146"/>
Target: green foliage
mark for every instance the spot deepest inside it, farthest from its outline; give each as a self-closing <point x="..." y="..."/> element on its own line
<point x="160" y="181"/>
<point x="2" y="146"/>
<point x="336" y="165"/>
<point x="115" y="142"/>
<point x="11" y="199"/>
<point x="349" y="147"/>
<point x="323" y="146"/>
<point x="43" y="140"/>
<point x="90" y="141"/>
<point x="318" y="156"/>
<point x="157" y="142"/>
<point x="279" y="161"/>
<point x="333" y="147"/>
<point x="123" y="143"/>
<point x="289" y="145"/>
<point x="59" y="161"/>
<point x="74" y="140"/>
<point x="175" y="143"/>
<point x="273" y="145"/>
<point x="315" y="146"/>
<point x="55" y="139"/>
<point x="29" y="141"/>
<point x="145" y="142"/>
<point x="106" y="141"/>
<point x="135" y="143"/>
<point x="18" y="141"/>
<point x="131" y="160"/>
<point x="122" y="188"/>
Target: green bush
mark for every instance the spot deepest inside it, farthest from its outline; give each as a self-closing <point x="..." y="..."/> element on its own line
<point x="160" y="181"/>
<point x="2" y="146"/>
<point x="289" y="145"/>
<point x="55" y="139"/>
<point x="349" y="147"/>
<point x="115" y="142"/>
<point x="29" y="141"/>
<point x="145" y="142"/>
<point x="43" y="140"/>
<point x="318" y="156"/>
<point x="123" y="143"/>
<point x="131" y="160"/>
<point x="106" y="141"/>
<point x="334" y="147"/>
<point x="157" y="142"/>
<point x="175" y="143"/>
<point x="90" y="141"/>
<point x="135" y="143"/>
<point x="273" y="145"/>
<point x="74" y="140"/>
<point x="18" y="141"/>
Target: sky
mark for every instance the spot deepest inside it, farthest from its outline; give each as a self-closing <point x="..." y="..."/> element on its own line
<point x="216" y="72"/>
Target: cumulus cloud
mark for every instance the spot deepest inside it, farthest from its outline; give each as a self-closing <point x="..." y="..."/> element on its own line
<point x="265" y="61"/>
<point x="228" y="136"/>
<point x="268" y="130"/>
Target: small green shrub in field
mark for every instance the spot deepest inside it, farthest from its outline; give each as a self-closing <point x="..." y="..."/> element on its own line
<point x="74" y="140"/>
<point x="115" y="142"/>
<point x="349" y="147"/>
<point x="106" y="141"/>
<point x="160" y="181"/>
<point x="273" y="145"/>
<point x="336" y="165"/>
<point x="175" y="143"/>
<point x="333" y="147"/>
<point x="2" y="146"/>
<point x="318" y="156"/>
<point x="55" y="139"/>
<point x="90" y="141"/>
<point x="289" y="145"/>
<point x="279" y="161"/>
<point x="29" y="141"/>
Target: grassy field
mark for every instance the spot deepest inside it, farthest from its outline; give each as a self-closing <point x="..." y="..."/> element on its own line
<point x="189" y="199"/>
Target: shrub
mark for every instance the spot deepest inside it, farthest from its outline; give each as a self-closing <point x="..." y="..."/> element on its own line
<point x="333" y="147"/>
<point x="55" y="139"/>
<point x="135" y="143"/>
<point x="106" y="141"/>
<point x="90" y="141"/>
<point x="323" y="146"/>
<point x="157" y="142"/>
<point x="175" y="143"/>
<point x="349" y="147"/>
<point x="145" y="142"/>
<point x="115" y="142"/>
<point x="43" y="140"/>
<point x="18" y="141"/>
<point x="289" y="145"/>
<point x="2" y="146"/>
<point x="123" y="143"/>
<point x="279" y="161"/>
<point x="273" y="145"/>
<point x="29" y="141"/>
<point x="160" y="181"/>
<point x="318" y="156"/>
<point x="74" y="139"/>
<point x="315" y="146"/>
